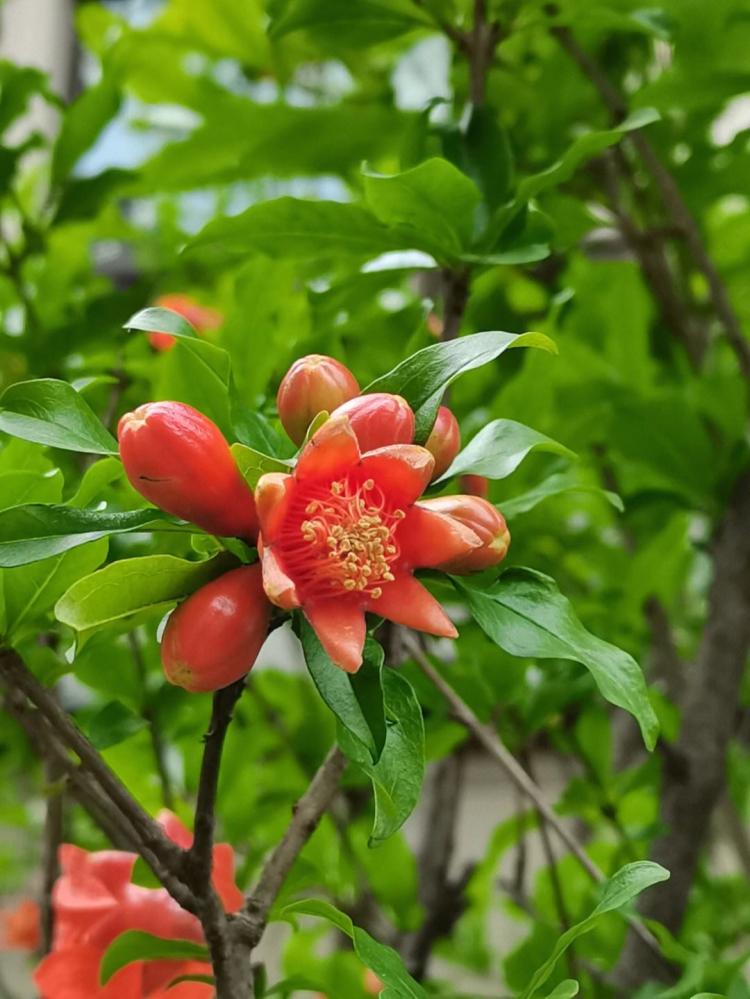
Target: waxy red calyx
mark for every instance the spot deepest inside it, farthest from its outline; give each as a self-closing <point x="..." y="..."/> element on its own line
<point x="314" y="384"/>
<point x="214" y="637"/>
<point x="179" y="459"/>
<point x="444" y="441"/>
<point x="342" y="534"/>
<point x="379" y="419"/>
<point x="487" y="523"/>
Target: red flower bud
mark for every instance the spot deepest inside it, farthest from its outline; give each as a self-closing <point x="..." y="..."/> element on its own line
<point x="179" y="459"/>
<point x="485" y="520"/>
<point x="474" y="485"/>
<point x="444" y="441"/>
<point x="313" y="384"/>
<point x="379" y="419"/>
<point x="199" y="316"/>
<point x="214" y="637"/>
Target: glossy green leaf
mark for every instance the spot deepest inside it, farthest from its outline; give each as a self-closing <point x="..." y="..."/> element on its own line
<point x="565" y="990"/>
<point x="157" y="319"/>
<point x="95" y="480"/>
<point x="355" y="699"/>
<point x="135" y="945"/>
<point x="422" y="378"/>
<point x="526" y="615"/>
<point x="556" y="485"/>
<point x="384" y="961"/>
<point x="620" y="889"/>
<point x="114" y="595"/>
<point x="398" y="775"/>
<point x="583" y="148"/>
<point x="347" y="24"/>
<point x="252" y="464"/>
<point x="17" y="488"/>
<point x="112" y="724"/>
<point x="51" y="412"/>
<point x="36" y="531"/>
<point x="434" y="203"/>
<point x="499" y="448"/>
<point x="302" y="230"/>
<point x="488" y="152"/>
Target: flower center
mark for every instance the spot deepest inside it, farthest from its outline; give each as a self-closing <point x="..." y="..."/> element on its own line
<point x="341" y="539"/>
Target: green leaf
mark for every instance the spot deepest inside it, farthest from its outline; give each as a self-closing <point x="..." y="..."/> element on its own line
<point x="346" y="24"/>
<point x="490" y="161"/>
<point x="36" y="531"/>
<point x="555" y="485"/>
<point x="301" y="230"/>
<point x="157" y="319"/>
<point x="95" y="479"/>
<point x="51" y="412"/>
<point x="526" y="615"/>
<point x="565" y="990"/>
<point x="356" y="701"/>
<point x="628" y="882"/>
<point x="112" y="724"/>
<point x="31" y="590"/>
<point x="499" y="448"/>
<point x="135" y="945"/>
<point x="82" y="123"/>
<point x="422" y="378"/>
<point x="384" y="961"/>
<point x="115" y="594"/>
<point x="433" y="202"/>
<point x="584" y="148"/>
<point x="252" y="464"/>
<point x="290" y="986"/>
<point x="398" y="775"/>
<point x="24" y="486"/>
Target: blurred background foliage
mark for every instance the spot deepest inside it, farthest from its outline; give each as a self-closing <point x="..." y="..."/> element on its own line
<point x="190" y="118"/>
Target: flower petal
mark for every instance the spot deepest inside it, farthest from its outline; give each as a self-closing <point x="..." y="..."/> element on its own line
<point x="273" y="495"/>
<point x="428" y="538"/>
<point x="405" y="601"/>
<point x="330" y="452"/>
<point x="223" y="878"/>
<point x="279" y="588"/>
<point x="402" y="471"/>
<point x="340" y="627"/>
<point x="73" y="973"/>
<point x="175" y="828"/>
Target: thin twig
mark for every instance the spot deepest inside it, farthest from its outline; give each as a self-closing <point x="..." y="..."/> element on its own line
<point x="307" y="813"/>
<point x="502" y="755"/>
<point x="52" y="837"/>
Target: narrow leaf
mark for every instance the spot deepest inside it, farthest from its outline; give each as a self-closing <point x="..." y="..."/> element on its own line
<point x="555" y="485"/>
<point x="422" y="378"/>
<point x="499" y="448"/>
<point x="51" y="412"/>
<point x="526" y="615"/>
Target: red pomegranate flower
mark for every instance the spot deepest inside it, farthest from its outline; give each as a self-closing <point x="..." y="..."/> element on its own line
<point x="20" y="927"/>
<point x="94" y="902"/>
<point x="342" y="534"/>
<point x="201" y="317"/>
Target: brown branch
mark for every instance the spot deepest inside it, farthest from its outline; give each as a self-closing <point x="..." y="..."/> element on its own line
<point x="52" y="837"/>
<point x="497" y="750"/>
<point x="679" y="213"/>
<point x="307" y="814"/>
<point x="694" y="773"/>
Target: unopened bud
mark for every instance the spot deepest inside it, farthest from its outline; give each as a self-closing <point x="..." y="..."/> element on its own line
<point x="444" y="441"/>
<point x="379" y="419"/>
<point x="485" y="520"/>
<point x="313" y="384"/>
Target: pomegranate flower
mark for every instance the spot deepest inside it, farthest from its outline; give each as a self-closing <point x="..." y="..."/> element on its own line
<point x="342" y="534"/>
<point x="20" y="927"/>
<point x="94" y="902"/>
<point x="199" y="316"/>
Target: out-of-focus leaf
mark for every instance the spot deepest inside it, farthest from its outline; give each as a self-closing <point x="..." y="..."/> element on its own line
<point x="555" y="485"/>
<point x="112" y="724"/>
<point x="135" y="945"/>
<point x="354" y="25"/>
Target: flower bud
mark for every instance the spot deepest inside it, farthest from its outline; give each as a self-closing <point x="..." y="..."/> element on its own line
<point x="474" y="485"/>
<point x="444" y="441"/>
<point x="485" y="520"/>
<point x="199" y="316"/>
<point x="179" y="459"/>
<point x="313" y="384"/>
<point x="379" y="419"/>
<point x="214" y="637"/>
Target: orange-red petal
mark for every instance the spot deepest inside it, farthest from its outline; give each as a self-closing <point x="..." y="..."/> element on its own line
<point x="340" y="627"/>
<point x="402" y="471"/>
<point x="279" y="588"/>
<point x="331" y="451"/>
<point x="273" y="495"/>
<point x="428" y="538"/>
<point x="405" y="601"/>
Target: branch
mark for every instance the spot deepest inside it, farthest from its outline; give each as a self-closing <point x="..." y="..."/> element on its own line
<point x="307" y="813"/>
<point x="198" y="862"/>
<point x="54" y="823"/>
<point x="502" y="755"/>
<point x="694" y="774"/>
<point x="671" y="196"/>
